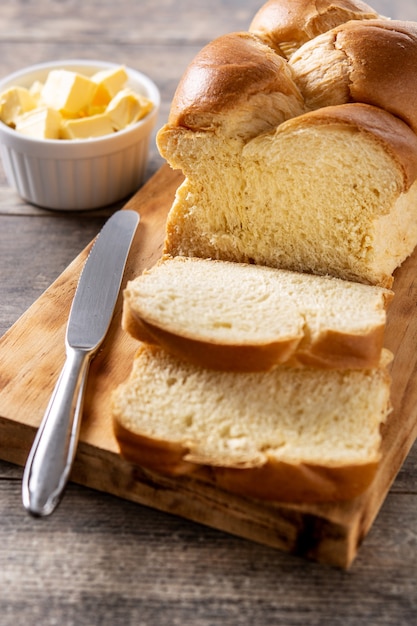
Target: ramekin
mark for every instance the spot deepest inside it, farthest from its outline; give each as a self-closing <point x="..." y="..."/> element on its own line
<point x="75" y="175"/>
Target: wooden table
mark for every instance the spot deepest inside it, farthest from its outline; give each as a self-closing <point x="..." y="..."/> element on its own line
<point x="106" y="561"/>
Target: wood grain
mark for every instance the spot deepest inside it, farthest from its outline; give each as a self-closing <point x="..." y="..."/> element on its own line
<point x="32" y="354"/>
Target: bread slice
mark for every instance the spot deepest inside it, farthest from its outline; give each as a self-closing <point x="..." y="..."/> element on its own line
<point x="331" y="191"/>
<point x="290" y="434"/>
<point x="240" y="317"/>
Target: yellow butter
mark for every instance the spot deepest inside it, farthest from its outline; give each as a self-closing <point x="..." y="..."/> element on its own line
<point x="109" y="83"/>
<point x="68" y="92"/>
<point x="36" y="92"/>
<point x="70" y="105"/>
<point x="96" y="109"/>
<point x="128" y="107"/>
<point x="87" y="127"/>
<point x="41" y="123"/>
<point x="15" y="102"/>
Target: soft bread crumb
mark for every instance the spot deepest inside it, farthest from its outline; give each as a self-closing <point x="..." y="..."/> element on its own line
<point x="314" y="195"/>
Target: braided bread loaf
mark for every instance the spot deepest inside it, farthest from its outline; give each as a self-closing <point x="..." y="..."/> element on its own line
<point x="298" y="144"/>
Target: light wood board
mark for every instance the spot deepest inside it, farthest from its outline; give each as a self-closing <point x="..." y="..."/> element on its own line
<point x="32" y="353"/>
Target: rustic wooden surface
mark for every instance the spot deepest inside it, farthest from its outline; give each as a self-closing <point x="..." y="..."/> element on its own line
<point x="100" y="559"/>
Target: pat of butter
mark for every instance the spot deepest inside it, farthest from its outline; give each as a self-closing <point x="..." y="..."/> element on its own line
<point x="84" y="106"/>
<point x="87" y="127"/>
<point x="15" y="102"/>
<point x="127" y="107"/>
<point x="40" y="123"/>
<point x="109" y="83"/>
<point x="36" y="92"/>
<point x="68" y="92"/>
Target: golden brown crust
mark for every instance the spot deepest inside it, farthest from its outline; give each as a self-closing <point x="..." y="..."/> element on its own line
<point x="368" y="61"/>
<point x="285" y="26"/>
<point x="396" y="136"/>
<point x="334" y="349"/>
<point x="383" y="56"/>
<point x="331" y="350"/>
<point x="228" y="358"/>
<point x="134" y="326"/>
<point x="236" y="75"/>
<point x="229" y="70"/>
<point x="161" y="456"/>
<point x="303" y="482"/>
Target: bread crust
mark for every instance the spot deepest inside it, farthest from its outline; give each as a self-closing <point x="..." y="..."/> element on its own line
<point x="377" y="64"/>
<point x="287" y="25"/>
<point x="330" y="350"/>
<point x="383" y="55"/>
<point x="156" y="454"/>
<point x="227" y="72"/>
<point x="279" y="481"/>
<point x="229" y="358"/>
<point x="368" y="61"/>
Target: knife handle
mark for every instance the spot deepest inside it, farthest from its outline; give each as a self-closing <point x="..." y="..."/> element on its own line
<point x="52" y="454"/>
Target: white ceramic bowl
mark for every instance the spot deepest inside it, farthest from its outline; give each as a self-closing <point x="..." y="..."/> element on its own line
<point x="78" y="174"/>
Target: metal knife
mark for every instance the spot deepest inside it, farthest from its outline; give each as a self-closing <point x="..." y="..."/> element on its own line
<point x="51" y="458"/>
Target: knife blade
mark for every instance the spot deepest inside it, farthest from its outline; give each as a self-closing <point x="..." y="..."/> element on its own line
<point x="53" y="451"/>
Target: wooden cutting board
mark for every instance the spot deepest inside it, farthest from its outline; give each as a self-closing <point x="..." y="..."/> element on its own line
<point x="31" y="356"/>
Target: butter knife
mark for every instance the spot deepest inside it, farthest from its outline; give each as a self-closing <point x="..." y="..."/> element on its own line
<point x="53" y="451"/>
